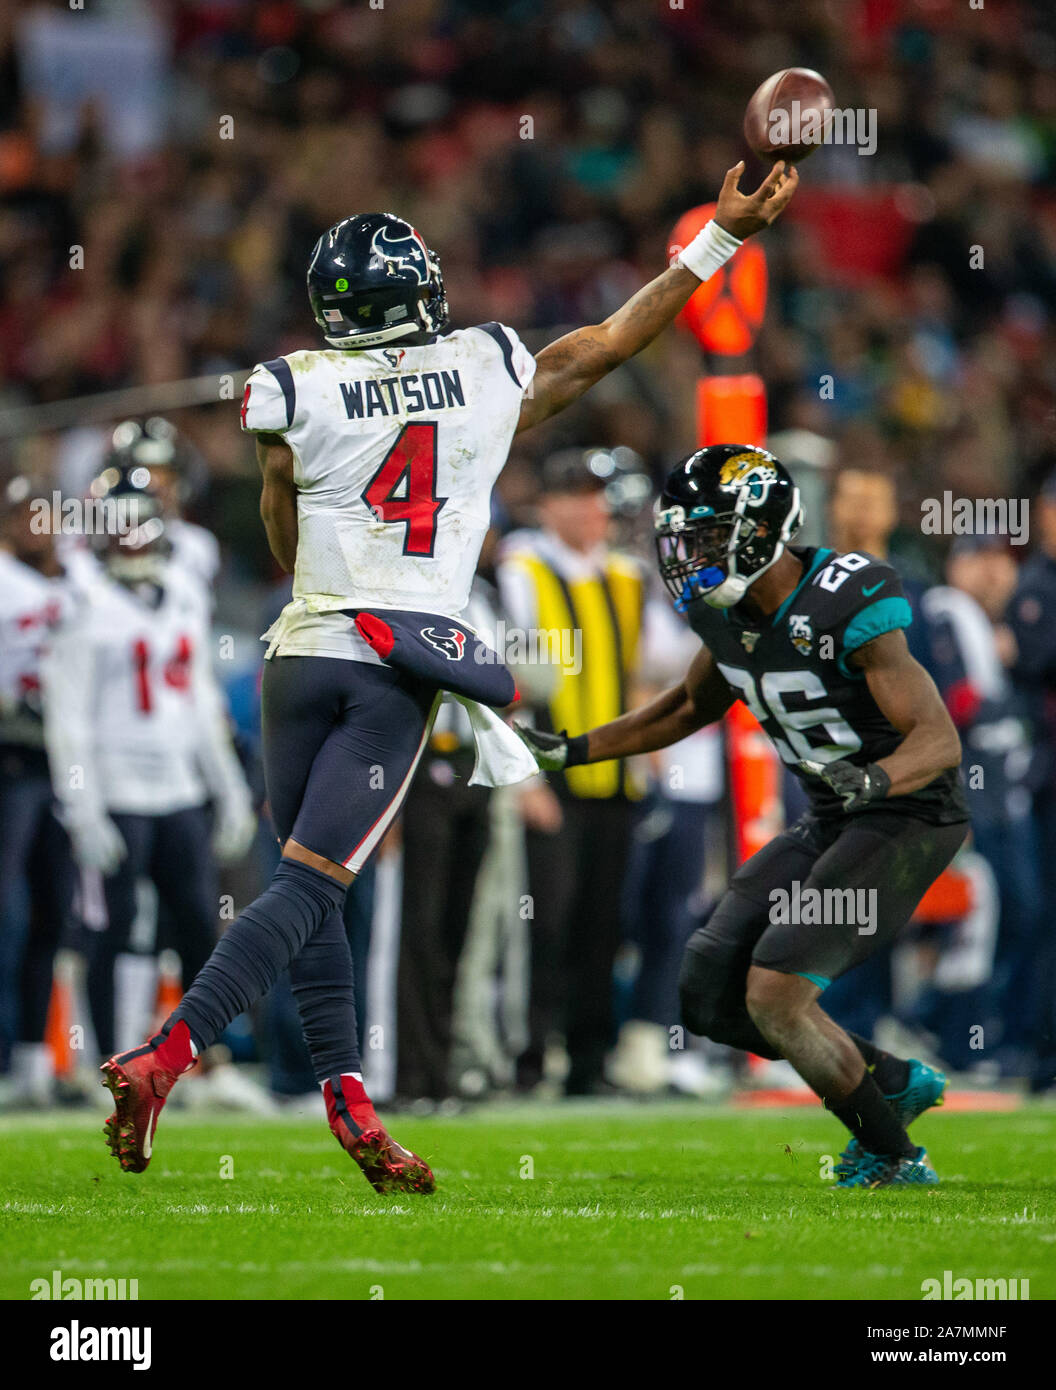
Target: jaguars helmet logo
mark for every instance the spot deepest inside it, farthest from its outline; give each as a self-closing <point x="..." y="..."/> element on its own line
<point x="800" y="633"/>
<point x="752" y="471"/>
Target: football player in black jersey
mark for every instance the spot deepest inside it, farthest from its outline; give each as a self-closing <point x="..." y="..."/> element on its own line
<point x="812" y="641"/>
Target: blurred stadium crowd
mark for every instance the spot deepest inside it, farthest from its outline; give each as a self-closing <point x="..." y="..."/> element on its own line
<point x="164" y="172"/>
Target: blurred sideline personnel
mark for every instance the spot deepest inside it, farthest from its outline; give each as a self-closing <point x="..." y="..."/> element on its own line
<point x="663" y="892"/>
<point x="378" y="457"/>
<point x="1030" y="618"/>
<point x="567" y="584"/>
<point x="812" y="641"/>
<point x="966" y="639"/>
<point x="137" y="739"/>
<point x="36" y="869"/>
<point x="863" y="515"/>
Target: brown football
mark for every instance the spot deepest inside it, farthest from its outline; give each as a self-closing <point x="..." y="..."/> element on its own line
<point x="789" y="115"/>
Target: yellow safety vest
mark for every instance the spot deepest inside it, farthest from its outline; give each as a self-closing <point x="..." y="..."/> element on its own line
<point x="606" y="610"/>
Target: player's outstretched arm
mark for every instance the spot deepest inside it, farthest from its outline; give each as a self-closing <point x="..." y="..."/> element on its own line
<point x="701" y="698"/>
<point x="278" y="498"/>
<point x="909" y="698"/>
<point x="573" y="364"/>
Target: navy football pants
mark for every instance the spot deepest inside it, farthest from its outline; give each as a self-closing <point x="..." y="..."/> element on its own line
<point x="342" y="740"/>
<point x="341" y="743"/>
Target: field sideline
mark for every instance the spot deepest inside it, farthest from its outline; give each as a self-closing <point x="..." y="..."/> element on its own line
<point x="625" y="1201"/>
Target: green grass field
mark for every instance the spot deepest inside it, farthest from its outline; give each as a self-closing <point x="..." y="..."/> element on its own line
<point x="625" y="1201"/>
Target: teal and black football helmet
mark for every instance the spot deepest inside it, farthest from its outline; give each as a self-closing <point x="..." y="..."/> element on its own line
<point x="373" y="280"/>
<point x="725" y="515"/>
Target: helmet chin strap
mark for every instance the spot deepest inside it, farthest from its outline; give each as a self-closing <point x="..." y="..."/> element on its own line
<point x="734" y="587"/>
<point x="729" y="592"/>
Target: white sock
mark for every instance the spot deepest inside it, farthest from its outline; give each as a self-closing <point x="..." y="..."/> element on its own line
<point x="355" y="1075"/>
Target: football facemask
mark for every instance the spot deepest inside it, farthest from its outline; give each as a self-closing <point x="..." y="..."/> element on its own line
<point x="698" y="557"/>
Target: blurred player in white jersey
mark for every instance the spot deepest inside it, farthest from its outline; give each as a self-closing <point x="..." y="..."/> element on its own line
<point x="174" y="467"/>
<point x="378" y="457"/>
<point x="36" y="870"/>
<point x="141" y="760"/>
<point x="156" y="445"/>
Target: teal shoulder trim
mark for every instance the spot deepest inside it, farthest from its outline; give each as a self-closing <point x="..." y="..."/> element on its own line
<point x="886" y="615"/>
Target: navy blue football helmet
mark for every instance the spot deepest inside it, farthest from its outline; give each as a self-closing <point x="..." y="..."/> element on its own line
<point x="373" y="280"/>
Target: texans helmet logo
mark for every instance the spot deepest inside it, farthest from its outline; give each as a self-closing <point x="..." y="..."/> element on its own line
<point x="452" y="647"/>
<point x="402" y="253"/>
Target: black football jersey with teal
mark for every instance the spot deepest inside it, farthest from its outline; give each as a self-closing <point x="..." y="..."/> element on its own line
<point x="791" y="670"/>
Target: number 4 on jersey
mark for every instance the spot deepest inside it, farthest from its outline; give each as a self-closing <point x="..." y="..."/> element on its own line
<point x="404" y="488"/>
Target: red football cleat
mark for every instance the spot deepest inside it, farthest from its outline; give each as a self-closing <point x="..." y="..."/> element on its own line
<point x="386" y="1165"/>
<point x="140" y="1082"/>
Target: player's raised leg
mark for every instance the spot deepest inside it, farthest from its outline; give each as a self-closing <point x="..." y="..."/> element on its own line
<point x="714" y="973"/>
<point x="329" y="727"/>
<point x="243" y="967"/>
<point x="380" y="722"/>
<point x="883" y="864"/>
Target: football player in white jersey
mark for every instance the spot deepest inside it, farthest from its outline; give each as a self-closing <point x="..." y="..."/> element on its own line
<point x="378" y="456"/>
<point x="156" y="445"/>
<point x="137" y="739"/>
<point x="36" y="870"/>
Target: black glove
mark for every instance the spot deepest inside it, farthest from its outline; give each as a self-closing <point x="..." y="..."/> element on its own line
<point x="856" y="786"/>
<point x="553" y="752"/>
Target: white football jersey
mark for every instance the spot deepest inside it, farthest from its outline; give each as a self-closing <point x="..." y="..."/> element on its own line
<point x="396" y="451"/>
<point x="195" y="550"/>
<point x="120" y="688"/>
<point x="31" y="606"/>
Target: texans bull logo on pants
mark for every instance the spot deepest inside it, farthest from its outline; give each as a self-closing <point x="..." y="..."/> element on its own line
<point x="438" y="649"/>
<point x="452" y="646"/>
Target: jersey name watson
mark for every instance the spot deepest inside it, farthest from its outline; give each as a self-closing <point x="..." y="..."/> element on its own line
<point x="414" y="394"/>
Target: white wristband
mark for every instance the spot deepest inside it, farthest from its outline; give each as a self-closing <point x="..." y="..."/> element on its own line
<point x="709" y="250"/>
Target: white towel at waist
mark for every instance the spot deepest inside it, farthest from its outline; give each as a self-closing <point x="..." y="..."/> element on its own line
<point x="502" y="759"/>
